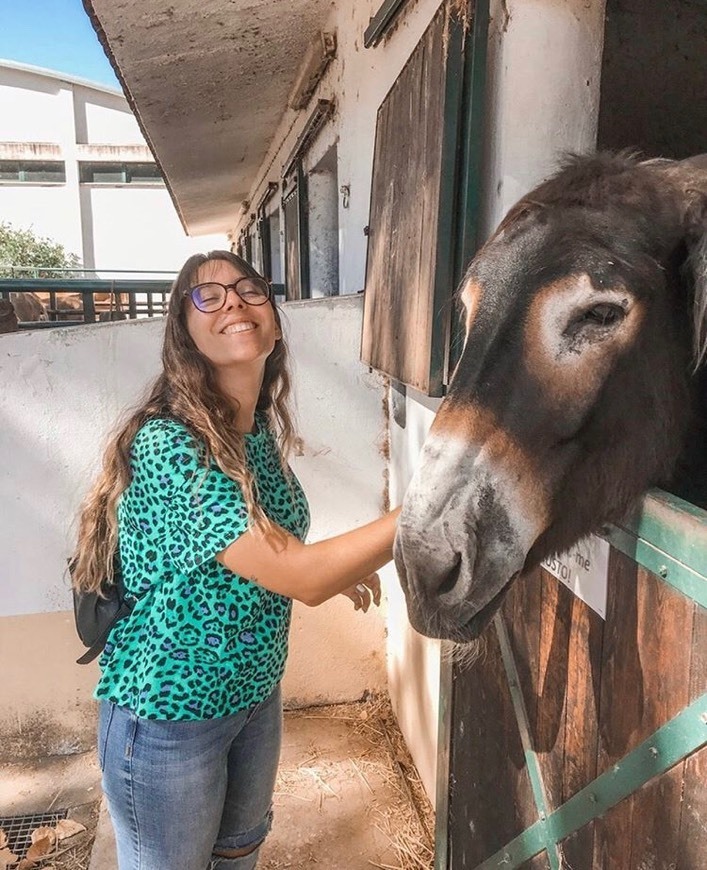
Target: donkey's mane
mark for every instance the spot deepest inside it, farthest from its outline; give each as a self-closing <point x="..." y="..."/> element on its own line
<point x="598" y="181"/>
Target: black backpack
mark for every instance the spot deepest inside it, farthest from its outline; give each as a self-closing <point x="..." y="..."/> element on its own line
<point x="96" y="613"/>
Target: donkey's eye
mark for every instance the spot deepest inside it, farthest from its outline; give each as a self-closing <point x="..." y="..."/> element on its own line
<point x="604" y="314"/>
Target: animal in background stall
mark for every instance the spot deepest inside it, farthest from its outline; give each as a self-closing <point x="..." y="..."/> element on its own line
<point x="8" y="317"/>
<point x="28" y="307"/>
<point x="580" y="385"/>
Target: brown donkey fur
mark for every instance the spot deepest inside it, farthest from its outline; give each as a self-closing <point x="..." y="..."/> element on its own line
<point x="581" y="383"/>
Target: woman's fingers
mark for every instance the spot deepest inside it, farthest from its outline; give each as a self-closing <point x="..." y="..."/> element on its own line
<point x="364" y="597"/>
<point x="369" y="589"/>
<point x="373" y="583"/>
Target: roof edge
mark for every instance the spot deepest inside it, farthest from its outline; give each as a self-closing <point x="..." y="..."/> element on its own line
<point x="105" y="45"/>
<point x="60" y="76"/>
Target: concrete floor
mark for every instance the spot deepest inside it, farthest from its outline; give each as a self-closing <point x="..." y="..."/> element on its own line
<point x="340" y="800"/>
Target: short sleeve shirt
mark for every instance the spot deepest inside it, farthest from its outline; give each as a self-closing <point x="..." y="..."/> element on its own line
<point x="201" y="642"/>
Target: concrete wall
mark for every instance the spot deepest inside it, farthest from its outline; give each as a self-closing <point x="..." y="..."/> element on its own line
<point x="131" y="226"/>
<point x="543" y="87"/>
<point x="62" y="391"/>
<point x="543" y="80"/>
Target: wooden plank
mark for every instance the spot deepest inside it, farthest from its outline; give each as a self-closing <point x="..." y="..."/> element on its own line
<point x="582" y="721"/>
<point x="490" y="799"/>
<point x="583" y="693"/>
<point x="539" y="862"/>
<point x="621" y="665"/>
<point x="645" y="682"/>
<point x="553" y="677"/>
<point x="656" y="822"/>
<point x="563" y="705"/>
<point x="692" y="849"/>
<point x="577" y="850"/>
<point x="522" y="613"/>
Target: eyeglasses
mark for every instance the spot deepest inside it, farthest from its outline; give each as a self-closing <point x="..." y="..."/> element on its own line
<point x="211" y="297"/>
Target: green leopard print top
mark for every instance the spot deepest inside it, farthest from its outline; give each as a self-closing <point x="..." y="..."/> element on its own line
<point x="202" y="642"/>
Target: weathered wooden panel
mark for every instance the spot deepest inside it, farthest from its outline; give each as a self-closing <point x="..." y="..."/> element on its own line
<point x="655" y="829"/>
<point x="539" y="862"/>
<point x="549" y="737"/>
<point x="405" y="314"/>
<point x="582" y="717"/>
<point x="582" y="720"/>
<point x="692" y="850"/>
<point x="490" y="799"/>
<point x="593" y="692"/>
<point x="577" y="850"/>
<point x="640" y="692"/>
<point x="522" y="611"/>
<point x="645" y="617"/>
<point x="642" y="831"/>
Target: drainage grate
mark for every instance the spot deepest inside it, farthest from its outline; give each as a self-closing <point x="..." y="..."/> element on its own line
<point x="19" y="828"/>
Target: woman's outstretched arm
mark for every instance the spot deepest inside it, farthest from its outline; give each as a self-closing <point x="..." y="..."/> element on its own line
<point x="312" y="573"/>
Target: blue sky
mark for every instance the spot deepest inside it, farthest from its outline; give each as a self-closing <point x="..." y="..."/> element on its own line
<point x="55" y="34"/>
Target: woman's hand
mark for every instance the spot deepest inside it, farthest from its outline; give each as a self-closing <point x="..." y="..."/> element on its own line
<point x="362" y="593"/>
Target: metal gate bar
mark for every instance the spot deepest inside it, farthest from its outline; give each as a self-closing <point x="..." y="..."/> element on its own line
<point x="533" y="764"/>
<point x="670" y="744"/>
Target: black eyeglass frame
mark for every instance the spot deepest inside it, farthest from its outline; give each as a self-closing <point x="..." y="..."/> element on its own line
<point x="226" y="287"/>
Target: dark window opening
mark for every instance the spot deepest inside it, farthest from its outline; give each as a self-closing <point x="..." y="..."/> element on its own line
<point x="120" y="173"/>
<point x="33" y="171"/>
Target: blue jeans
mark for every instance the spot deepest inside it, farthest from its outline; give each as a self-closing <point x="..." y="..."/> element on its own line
<point x="181" y="792"/>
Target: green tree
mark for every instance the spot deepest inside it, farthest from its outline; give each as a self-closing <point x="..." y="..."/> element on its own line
<point x="22" y="248"/>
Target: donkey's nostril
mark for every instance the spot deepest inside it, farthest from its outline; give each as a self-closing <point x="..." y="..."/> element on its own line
<point x="450" y="580"/>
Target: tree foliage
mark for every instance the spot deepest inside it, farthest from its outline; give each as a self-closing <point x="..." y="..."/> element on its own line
<point x="23" y="249"/>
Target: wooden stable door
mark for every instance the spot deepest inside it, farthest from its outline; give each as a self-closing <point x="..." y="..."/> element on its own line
<point x="578" y="741"/>
<point x="424" y="194"/>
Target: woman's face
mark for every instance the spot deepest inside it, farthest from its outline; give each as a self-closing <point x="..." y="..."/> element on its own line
<point x="238" y="334"/>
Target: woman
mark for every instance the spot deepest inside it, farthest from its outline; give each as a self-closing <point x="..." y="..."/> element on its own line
<point x="209" y="522"/>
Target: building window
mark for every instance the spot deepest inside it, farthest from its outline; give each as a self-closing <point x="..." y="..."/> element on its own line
<point x="120" y="173"/>
<point x="295" y="205"/>
<point x="255" y="257"/>
<point x="31" y="171"/>
<point x="268" y="240"/>
<point x="273" y="252"/>
<point x="381" y="22"/>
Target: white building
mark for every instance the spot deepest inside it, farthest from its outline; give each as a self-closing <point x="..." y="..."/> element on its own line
<point x="75" y="168"/>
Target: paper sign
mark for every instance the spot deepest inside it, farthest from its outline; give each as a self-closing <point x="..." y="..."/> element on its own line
<point x="584" y="569"/>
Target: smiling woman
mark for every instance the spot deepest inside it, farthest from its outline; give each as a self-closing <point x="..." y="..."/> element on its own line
<point x="209" y="522"/>
<point x="229" y="319"/>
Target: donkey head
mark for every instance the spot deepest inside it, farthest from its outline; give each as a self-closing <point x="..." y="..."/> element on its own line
<point x="571" y="396"/>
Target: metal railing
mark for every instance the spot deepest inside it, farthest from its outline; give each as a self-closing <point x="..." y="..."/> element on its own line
<point x="45" y="301"/>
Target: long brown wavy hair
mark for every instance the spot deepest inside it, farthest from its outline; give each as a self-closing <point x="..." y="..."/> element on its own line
<point x="186" y="390"/>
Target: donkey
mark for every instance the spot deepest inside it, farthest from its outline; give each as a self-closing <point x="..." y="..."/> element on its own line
<point x="579" y="385"/>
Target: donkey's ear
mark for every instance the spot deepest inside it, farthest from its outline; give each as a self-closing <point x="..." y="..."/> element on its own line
<point x="696" y="239"/>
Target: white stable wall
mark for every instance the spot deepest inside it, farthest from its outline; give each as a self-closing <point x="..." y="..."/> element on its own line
<point x="543" y="85"/>
<point x="63" y="390"/>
